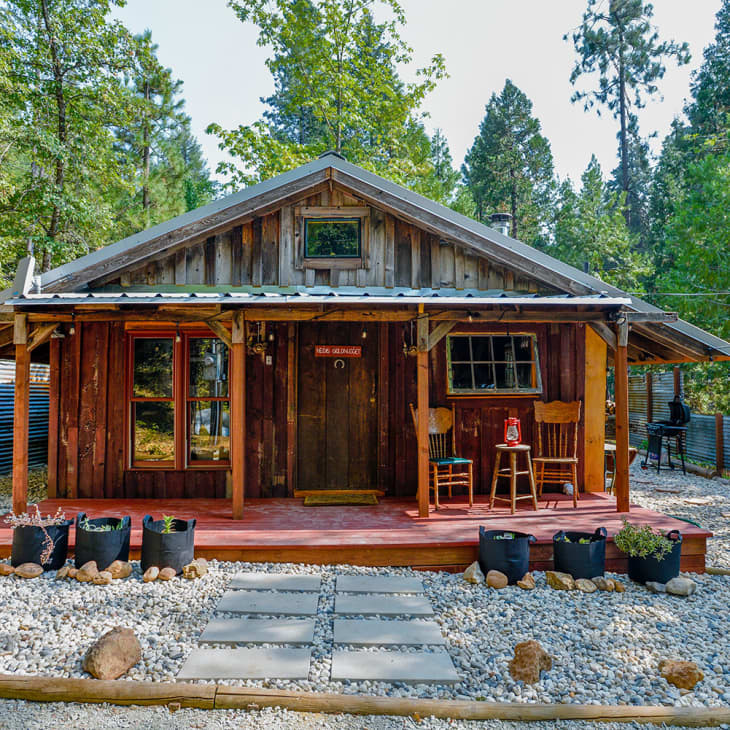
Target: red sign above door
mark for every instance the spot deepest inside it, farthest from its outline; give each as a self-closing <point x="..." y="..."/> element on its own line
<point x="337" y="351"/>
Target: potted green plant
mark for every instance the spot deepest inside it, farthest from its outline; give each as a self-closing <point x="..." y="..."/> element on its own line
<point x="653" y="556"/>
<point x="102" y="539"/>
<point x="506" y="551"/>
<point x="581" y="554"/>
<point x="167" y="543"/>
<point x="38" y="539"/>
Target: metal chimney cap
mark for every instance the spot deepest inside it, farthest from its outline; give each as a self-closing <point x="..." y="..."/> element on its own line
<point x="500" y="218"/>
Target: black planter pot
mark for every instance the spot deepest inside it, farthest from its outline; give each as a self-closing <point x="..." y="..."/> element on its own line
<point x="586" y="560"/>
<point x="30" y="542"/>
<point x="510" y="556"/>
<point x="167" y="550"/>
<point x="643" y="570"/>
<point x="103" y="547"/>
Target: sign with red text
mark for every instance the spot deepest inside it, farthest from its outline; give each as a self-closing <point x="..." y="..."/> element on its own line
<point x="337" y="351"/>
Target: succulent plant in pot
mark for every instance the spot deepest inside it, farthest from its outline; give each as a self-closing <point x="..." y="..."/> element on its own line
<point x="167" y="543"/>
<point x="102" y="539"/>
<point x="653" y="556"/>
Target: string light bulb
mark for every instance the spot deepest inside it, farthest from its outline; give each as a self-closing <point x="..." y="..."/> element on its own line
<point x="72" y="328"/>
<point x="177" y="333"/>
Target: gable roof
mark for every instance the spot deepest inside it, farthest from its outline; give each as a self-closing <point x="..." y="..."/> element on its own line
<point x="412" y="207"/>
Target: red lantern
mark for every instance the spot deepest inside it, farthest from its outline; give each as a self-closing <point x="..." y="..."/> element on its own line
<point x="512" y="431"/>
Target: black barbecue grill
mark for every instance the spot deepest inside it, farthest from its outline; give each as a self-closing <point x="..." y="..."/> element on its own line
<point x="673" y="429"/>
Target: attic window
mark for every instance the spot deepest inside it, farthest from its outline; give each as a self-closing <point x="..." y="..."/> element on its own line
<point x="326" y="238"/>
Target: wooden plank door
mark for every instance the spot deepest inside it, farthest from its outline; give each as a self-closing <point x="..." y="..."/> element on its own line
<point x="337" y="416"/>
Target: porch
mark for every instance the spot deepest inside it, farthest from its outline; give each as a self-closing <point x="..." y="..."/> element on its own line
<point x="390" y="533"/>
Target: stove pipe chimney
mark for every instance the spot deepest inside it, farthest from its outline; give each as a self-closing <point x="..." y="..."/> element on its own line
<point x="500" y="222"/>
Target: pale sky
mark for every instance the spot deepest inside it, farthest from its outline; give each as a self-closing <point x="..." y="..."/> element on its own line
<point x="483" y="41"/>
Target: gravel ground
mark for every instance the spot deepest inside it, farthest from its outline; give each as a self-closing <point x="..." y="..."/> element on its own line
<point x="606" y="647"/>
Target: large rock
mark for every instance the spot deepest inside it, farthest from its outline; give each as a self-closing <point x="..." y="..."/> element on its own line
<point x="681" y="586"/>
<point x="529" y="660"/>
<point x="87" y="572"/>
<point x="585" y="585"/>
<point x="473" y="574"/>
<point x="103" y="578"/>
<point x="62" y="572"/>
<point x="120" y="569"/>
<point x="684" y="675"/>
<point x="151" y="574"/>
<point x="29" y="570"/>
<point x="496" y="579"/>
<point x="6" y="569"/>
<point x="560" y="581"/>
<point x="115" y="653"/>
<point x="618" y="586"/>
<point x="167" y="574"/>
<point x="197" y="569"/>
<point x="603" y="584"/>
<point x="527" y="582"/>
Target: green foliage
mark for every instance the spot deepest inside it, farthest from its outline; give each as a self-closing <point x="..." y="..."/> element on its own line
<point x="590" y="232"/>
<point x="168" y="524"/>
<point x="336" y="86"/>
<point x="642" y="542"/>
<point x="509" y="167"/>
<point x="85" y="524"/>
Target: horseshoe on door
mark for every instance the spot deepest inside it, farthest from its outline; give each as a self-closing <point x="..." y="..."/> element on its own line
<point x="339" y="363"/>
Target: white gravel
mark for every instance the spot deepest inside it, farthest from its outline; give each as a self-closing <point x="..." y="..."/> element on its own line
<point x="606" y="646"/>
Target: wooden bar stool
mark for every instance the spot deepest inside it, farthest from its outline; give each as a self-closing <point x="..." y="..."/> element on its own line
<point x="511" y="473"/>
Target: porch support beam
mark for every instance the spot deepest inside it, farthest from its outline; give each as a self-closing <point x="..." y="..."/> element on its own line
<point x="238" y="414"/>
<point x="422" y="404"/>
<point x="40" y="335"/>
<point x="221" y="330"/>
<point x="439" y="332"/>
<point x="621" y="367"/>
<point x="21" y="415"/>
<point x="605" y="333"/>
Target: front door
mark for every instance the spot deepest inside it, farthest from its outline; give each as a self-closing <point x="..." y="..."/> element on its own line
<point x="337" y="421"/>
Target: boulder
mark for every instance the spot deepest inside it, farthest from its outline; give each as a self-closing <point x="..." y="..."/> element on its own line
<point x="495" y="579"/>
<point x="684" y="675"/>
<point x="560" y="581"/>
<point x="120" y="569"/>
<point x="618" y="586"/>
<point x="167" y="574"/>
<point x="113" y="654"/>
<point x="653" y="587"/>
<point x="473" y="574"/>
<point x="603" y="584"/>
<point x="152" y="573"/>
<point x="681" y="586"/>
<point x="585" y="585"/>
<point x="529" y="660"/>
<point x="103" y="578"/>
<point x="197" y="569"/>
<point x="527" y="583"/>
<point x="87" y="572"/>
<point x="28" y="570"/>
<point x="62" y="572"/>
<point x="6" y="569"/>
<point x="73" y="572"/>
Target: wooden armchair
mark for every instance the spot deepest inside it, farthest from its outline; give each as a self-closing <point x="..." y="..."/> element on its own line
<point x="556" y="458"/>
<point x="445" y="468"/>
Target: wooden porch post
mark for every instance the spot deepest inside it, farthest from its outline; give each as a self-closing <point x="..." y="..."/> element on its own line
<point x="621" y="368"/>
<point x="422" y="404"/>
<point x="238" y="414"/>
<point x="21" y="415"/>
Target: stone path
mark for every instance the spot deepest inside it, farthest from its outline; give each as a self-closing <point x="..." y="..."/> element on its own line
<point x="284" y="599"/>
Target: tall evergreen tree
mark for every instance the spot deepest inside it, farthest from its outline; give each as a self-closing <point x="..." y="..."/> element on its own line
<point x="618" y="42"/>
<point x="509" y="167"/>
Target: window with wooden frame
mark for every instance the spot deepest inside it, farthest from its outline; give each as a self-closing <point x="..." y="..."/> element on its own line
<point x="178" y="401"/>
<point x="495" y="364"/>
<point x="333" y="237"/>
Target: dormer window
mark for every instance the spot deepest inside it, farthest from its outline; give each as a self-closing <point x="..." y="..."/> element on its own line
<point x="327" y="238"/>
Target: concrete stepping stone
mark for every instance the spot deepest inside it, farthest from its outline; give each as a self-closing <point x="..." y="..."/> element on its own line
<point x="258" y="631"/>
<point x="276" y="582"/>
<point x="376" y="632"/>
<point x="370" y="605"/>
<point x="393" y="666"/>
<point x="246" y="664"/>
<point x="377" y="584"/>
<point x="272" y="604"/>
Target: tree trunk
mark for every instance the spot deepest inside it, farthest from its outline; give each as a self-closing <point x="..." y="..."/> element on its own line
<point x="625" y="182"/>
<point x="146" y="157"/>
<point x="61" y="131"/>
<point x="513" y="203"/>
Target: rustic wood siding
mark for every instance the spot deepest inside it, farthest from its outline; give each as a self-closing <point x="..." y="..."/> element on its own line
<point x="264" y="252"/>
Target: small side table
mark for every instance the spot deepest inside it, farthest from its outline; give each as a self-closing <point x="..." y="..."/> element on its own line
<point x="511" y="473"/>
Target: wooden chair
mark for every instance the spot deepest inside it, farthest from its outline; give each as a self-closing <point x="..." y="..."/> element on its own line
<point x="445" y="468"/>
<point x="556" y="459"/>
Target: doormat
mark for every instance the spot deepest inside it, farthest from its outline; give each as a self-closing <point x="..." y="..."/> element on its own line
<point x="324" y="499"/>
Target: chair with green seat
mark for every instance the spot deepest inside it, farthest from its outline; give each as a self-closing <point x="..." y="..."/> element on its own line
<point x="446" y="469"/>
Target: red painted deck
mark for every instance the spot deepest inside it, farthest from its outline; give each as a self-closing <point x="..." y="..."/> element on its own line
<point x="391" y="533"/>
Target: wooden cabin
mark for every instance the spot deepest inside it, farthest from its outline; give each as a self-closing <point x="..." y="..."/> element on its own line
<point x="272" y="342"/>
